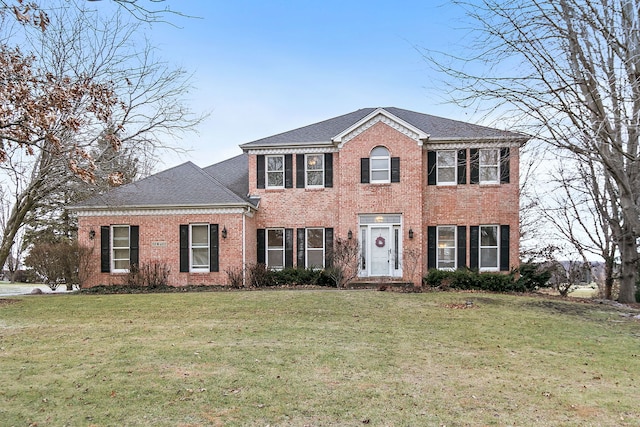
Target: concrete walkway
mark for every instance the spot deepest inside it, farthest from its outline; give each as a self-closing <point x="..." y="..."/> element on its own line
<point x="10" y="289"/>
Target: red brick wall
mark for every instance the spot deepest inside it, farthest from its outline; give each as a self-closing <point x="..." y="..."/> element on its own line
<point x="163" y="228"/>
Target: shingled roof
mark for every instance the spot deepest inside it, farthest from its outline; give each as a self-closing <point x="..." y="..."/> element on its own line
<point x="437" y="128"/>
<point x="181" y="186"/>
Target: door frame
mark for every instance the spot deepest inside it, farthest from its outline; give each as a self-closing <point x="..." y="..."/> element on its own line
<point x="369" y="222"/>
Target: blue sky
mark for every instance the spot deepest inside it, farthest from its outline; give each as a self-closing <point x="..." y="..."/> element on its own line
<point x="261" y="68"/>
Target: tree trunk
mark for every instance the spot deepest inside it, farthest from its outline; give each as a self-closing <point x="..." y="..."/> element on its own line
<point x="629" y="271"/>
<point x="608" y="277"/>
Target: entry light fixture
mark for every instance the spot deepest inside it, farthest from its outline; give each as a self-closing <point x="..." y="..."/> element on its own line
<point x="224" y="232"/>
<point x="350" y="234"/>
<point x="92" y="234"/>
<point x="411" y="233"/>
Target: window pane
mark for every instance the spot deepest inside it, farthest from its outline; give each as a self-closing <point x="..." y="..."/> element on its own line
<point x="200" y="257"/>
<point x="380" y="175"/>
<point x="315" y="258"/>
<point x="200" y="235"/>
<point x="379" y="152"/>
<point x="121" y="254"/>
<point x="489" y="236"/>
<point x="121" y="237"/>
<point x="275" y="258"/>
<point x="489" y="157"/>
<point x="489" y="258"/>
<point x="379" y="164"/>
<point x="275" y="238"/>
<point x="121" y="264"/>
<point x="489" y="174"/>
<point x="314" y="162"/>
<point x="315" y="238"/>
<point x="275" y="163"/>
<point x="275" y="179"/>
<point x="446" y="247"/>
<point x="446" y="158"/>
<point x="446" y="175"/>
<point x="315" y="178"/>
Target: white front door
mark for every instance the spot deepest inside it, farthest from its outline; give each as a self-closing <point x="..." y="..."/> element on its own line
<point x="380" y="250"/>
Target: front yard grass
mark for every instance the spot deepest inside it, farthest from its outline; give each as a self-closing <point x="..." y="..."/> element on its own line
<point x="316" y="358"/>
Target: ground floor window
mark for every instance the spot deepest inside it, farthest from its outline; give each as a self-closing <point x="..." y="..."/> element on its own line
<point x="120" y="247"/>
<point x="275" y="248"/>
<point x="446" y="242"/>
<point x="489" y="239"/>
<point x="315" y="252"/>
<point x="199" y="247"/>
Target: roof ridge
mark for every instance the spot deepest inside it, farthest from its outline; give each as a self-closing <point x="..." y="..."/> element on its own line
<point x="216" y="181"/>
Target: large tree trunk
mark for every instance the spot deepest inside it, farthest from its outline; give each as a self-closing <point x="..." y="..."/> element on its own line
<point x="629" y="272"/>
<point x="26" y="201"/>
<point x="608" y="277"/>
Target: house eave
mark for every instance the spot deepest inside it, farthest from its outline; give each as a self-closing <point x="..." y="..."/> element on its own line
<point x="226" y="208"/>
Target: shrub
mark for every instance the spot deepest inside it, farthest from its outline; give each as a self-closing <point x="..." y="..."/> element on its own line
<point x="465" y="279"/>
<point x="54" y="262"/>
<point x="152" y="275"/>
<point x="259" y="276"/>
<point x="532" y="276"/>
<point x="235" y="278"/>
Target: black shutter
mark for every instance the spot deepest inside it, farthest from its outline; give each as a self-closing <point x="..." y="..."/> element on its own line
<point x="395" y="169"/>
<point x="184" y="248"/>
<point x="214" y="248"/>
<point x="462" y="167"/>
<point x="288" y="247"/>
<point x="300" y="244"/>
<point x="261" y="241"/>
<point x="134" y="245"/>
<point x="504" y="165"/>
<point x="474" y="246"/>
<point x="431" y="168"/>
<point x="462" y="246"/>
<point x="105" y="245"/>
<point x="328" y="247"/>
<point x="474" y="155"/>
<point x="260" y="170"/>
<point x="328" y="170"/>
<point x="300" y="171"/>
<point x="504" y="248"/>
<point x="364" y="170"/>
<point x="431" y="247"/>
<point x="288" y="171"/>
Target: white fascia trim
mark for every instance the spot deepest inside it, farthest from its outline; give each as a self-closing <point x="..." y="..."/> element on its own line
<point x="326" y="147"/>
<point x="380" y="115"/>
<point x="450" y="144"/>
<point x="142" y="211"/>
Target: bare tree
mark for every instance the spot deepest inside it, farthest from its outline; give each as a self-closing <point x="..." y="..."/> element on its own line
<point x="345" y="261"/>
<point x="568" y="71"/>
<point x="90" y="81"/>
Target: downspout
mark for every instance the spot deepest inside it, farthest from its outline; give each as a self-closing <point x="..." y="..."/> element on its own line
<point x="244" y="254"/>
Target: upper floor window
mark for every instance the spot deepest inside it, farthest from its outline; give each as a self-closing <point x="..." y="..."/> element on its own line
<point x="314" y="170"/>
<point x="446" y="241"/>
<point x="489" y="166"/>
<point x="446" y="167"/>
<point x="199" y="247"/>
<point x="380" y="165"/>
<point x="275" y="171"/>
<point x="489" y="247"/>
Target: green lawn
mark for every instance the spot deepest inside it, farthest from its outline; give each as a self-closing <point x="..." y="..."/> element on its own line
<point x="316" y="358"/>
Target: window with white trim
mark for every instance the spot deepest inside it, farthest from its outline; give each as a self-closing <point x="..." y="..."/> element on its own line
<point x="380" y="165"/>
<point x="489" y="254"/>
<point x="199" y="247"/>
<point x="489" y="166"/>
<point x="275" y="248"/>
<point x="120" y="247"/>
<point x="446" y="167"/>
<point x="314" y="170"/>
<point x="314" y="248"/>
<point x="446" y="243"/>
<point x="275" y="171"/>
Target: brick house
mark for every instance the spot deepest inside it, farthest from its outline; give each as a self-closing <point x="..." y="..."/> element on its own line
<point x="398" y="181"/>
